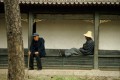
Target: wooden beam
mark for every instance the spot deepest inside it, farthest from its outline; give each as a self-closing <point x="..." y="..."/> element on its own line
<point x="96" y="39"/>
<point x="30" y="32"/>
<point x="30" y="28"/>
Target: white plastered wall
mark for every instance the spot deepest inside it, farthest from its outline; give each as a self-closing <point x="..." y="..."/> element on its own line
<point x="62" y="33"/>
<point x="65" y="34"/>
<point x="25" y="31"/>
<point x="3" y="38"/>
<point x="110" y="35"/>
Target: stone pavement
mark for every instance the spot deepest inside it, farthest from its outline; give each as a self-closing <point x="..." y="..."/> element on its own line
<point x="75" y="72"/>
<point x="52" y="72"/>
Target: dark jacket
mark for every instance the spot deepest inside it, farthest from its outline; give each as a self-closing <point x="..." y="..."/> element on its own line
<point x="38" y="46"/>
<point x="88" y="48"/>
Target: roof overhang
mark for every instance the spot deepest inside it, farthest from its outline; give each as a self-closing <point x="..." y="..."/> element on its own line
<point x="80" y="2"/>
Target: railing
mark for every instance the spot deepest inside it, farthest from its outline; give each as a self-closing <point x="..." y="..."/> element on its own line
<point x="53" y="60"/>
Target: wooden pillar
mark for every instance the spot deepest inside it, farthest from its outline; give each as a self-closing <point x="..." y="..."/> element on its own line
<point x="30" y="28"/>
<point x="96" y="39"/>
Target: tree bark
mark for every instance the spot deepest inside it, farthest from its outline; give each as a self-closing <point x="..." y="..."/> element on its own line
<point x="14" y="40"/>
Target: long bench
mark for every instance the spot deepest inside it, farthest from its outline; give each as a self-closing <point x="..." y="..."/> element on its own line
<point x="53" y="60"/>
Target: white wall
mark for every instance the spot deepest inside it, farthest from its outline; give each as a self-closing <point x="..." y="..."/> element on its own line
<point x="25" y="29"/>
<point x="25" y="33"/>
<point x="63" y="34"/>
<point x="3" y="38"/>
<point x="110" y="35"/>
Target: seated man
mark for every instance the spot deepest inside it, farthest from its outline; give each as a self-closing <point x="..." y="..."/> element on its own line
<point x="37" y="50"/>
<point x="87" y="49"/>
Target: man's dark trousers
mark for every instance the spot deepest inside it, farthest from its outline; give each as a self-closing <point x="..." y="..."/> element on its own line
<point x="31" y="62"/>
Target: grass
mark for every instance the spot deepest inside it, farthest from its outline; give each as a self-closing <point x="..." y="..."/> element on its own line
<point x="3" y="77"/>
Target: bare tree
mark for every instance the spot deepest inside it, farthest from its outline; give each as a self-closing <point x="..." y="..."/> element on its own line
<point x="14" y="40"/>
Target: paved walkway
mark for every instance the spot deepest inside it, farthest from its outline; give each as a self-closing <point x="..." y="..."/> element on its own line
<point x="70" y="72"/>
<point x="76" y="72"/>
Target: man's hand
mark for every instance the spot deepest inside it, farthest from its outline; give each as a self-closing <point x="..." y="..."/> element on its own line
<point x="29" y="52"/>
<point x="36" y="53"/>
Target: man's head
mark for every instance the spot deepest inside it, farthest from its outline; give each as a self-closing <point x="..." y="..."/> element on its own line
<point x="36" y="36"/>
<point x="88" y="35"/>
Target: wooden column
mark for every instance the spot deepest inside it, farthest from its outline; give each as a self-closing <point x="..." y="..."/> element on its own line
<point x="96" y="39"/>
<point x="30" y="28"/>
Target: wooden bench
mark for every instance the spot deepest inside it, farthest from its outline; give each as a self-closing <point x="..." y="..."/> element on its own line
<point x="53" y="60"/>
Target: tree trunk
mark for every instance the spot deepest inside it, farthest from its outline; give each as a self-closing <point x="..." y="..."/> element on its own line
<point x="14" y="40"/>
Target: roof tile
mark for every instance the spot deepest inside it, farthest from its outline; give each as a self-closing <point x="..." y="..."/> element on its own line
<point x="68" y="1"/>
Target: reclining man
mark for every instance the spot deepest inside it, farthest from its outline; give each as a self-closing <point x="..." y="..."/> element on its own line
<point x="87" y="49"/>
